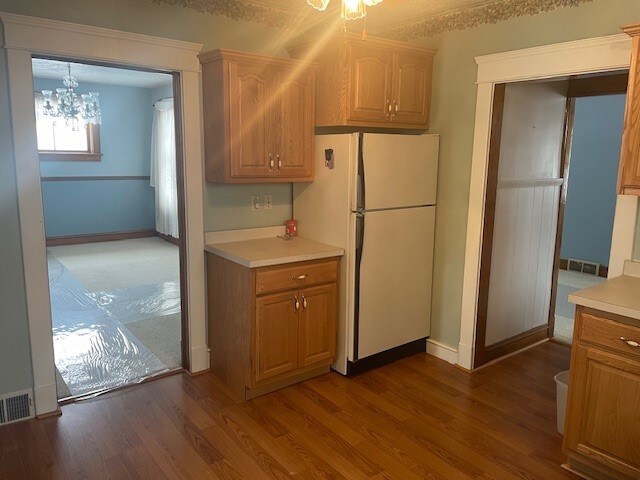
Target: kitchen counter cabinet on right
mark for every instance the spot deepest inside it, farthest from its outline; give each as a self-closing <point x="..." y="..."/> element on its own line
<point x="602" y="430"/>
<point x="629" y="176"/>
<point x="374" y="83"/>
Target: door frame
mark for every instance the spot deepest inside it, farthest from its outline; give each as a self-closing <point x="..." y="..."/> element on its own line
<point x="600" y="54"/>
<point x="26" y="36"/>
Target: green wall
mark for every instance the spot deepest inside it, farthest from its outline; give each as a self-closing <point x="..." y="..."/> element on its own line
<point x="453" y="117"/>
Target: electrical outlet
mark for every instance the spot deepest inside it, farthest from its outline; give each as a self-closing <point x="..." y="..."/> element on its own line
<point x="266" y="201"/>
<point x="256" y="204"/>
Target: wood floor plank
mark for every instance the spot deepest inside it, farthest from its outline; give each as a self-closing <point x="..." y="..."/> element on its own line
<point x="419" y="418"/>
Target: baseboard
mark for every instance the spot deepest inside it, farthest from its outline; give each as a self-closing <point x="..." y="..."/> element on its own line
<point x="386" y="357"/>
<point x="465" y="356"/>
<point x="168" y="238"/>
<point x="603" y="271"/>
<point x="442" y="351"/>
<point x="100" y="237"/>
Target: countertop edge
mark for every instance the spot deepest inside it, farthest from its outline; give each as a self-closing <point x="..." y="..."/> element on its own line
<point x="268" y="262"/>
<point x="604" y="306"/>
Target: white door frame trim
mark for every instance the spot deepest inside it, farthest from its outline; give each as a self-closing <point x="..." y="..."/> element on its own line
<point x="550" y="61"/>
<point x="26" y="36"/>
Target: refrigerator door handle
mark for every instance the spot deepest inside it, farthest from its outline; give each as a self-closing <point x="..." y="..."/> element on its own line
<point x="359" y="231"/>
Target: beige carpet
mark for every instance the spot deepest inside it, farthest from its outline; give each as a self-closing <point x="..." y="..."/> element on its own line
<point x="161" y="335"/>
<point x="119" y="272"/>
<point x="108" y="266"/>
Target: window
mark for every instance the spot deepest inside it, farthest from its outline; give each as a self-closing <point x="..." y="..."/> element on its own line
<point x="59" y="141"/>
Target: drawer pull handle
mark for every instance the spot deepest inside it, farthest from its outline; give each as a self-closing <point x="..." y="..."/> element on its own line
<point x="631" y="343"/>
<point x="299" y="277"/>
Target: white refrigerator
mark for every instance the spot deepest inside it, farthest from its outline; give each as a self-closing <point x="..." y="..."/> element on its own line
<point x="375" y="196"/>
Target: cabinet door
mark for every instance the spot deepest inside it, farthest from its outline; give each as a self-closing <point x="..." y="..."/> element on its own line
<point x="318" y="314"/>
<point x="249" y="113"/>
<point x="411" y="88"/>
<point x="370" y="86"/>
<point x="630" y="152"/>
<point x="604" y="413"/>
<point x="293" y="123"/>
<point x="276" y="346"/>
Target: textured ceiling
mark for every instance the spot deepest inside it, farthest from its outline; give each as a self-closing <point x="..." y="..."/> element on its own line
<point x="403" y="19"/>
<point x="98" y="74"/>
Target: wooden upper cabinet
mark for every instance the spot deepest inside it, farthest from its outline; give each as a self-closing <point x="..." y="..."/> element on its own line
<point x="258" y="118"/>
<point x="411" y="88"/>
<point x="370" y="70"/>
<point x="629" y="174"/>
<point x="371" y="83"/>
<point x="249" y="123"/>
<point x="294" y="114"/>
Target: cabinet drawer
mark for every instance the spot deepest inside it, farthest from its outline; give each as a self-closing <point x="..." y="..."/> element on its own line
<point x="608" y="333"/>
<point x="295" y="275"/>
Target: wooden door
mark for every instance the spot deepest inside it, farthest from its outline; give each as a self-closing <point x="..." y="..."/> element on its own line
<point x="276" y="338"/>
<point x="318" y="316"/>
<point x="370" y="85"/>
<point x="604" y="409"/>
<point x="411" y="89"/>
<point x="629" y="176"/>
<point x="521" y="217"/>
<point x="293" y="123"/>
<point x="251" y="142"/>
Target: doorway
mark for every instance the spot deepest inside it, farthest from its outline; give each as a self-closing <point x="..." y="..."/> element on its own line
<point x="596" y="106"/>
<point x="114" y="220"/>
<point x="522" y="290"/>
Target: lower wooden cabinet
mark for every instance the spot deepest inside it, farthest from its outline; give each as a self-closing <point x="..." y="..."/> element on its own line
<point x="271" y="326"/>
<point x="602" y="430"/>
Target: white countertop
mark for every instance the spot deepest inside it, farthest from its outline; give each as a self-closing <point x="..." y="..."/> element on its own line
<point x="620" y="296"/>
<point x="264" y="252"/>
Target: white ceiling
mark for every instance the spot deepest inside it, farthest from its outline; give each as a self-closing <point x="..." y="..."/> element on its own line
<point x="98" y="74"/>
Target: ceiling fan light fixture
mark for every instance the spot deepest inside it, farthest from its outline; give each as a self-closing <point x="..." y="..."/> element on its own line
<point x="350" y="9"/>
<point x="320" y="5"/>
<point x="353" y="9"/>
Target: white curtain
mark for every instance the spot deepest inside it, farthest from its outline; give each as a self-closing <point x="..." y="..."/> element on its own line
<point x="163" y="168"/>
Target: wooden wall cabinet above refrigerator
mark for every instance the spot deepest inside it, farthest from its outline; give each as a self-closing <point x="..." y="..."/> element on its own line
<point x="371" y="83"/>
<point x="258" y="118"/>
<point x="629" y="175"/>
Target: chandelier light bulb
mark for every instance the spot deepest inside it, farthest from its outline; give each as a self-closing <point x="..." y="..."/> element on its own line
<point x="66" y="104"/>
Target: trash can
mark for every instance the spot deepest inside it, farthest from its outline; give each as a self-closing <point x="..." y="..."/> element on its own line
<point x="562" y="385"/>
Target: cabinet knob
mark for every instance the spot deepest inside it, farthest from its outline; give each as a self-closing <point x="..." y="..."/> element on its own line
<point x="395" y="109"/>
<point x="279" y="162"/>
<point x="271" y="163"/>
<point x="296" y="304"/>
<point x="299" y="277"/>
<point x="388" y="108"/>
<point x="631" y="343"/>
<point x="304" y="302"/>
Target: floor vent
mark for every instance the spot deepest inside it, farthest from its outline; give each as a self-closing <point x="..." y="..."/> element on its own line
<point x="583" y="266"/>
<point x="16" y="406"/>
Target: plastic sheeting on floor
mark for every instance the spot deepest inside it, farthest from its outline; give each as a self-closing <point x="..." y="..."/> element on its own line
<point x="94" y="352"/>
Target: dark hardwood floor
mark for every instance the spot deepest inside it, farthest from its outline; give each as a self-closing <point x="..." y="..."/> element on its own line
<point x="419" y="418"/>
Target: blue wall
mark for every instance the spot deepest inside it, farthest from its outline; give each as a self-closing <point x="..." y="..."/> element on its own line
<point x="88" y="207"/>
<point x="593" y="172"/>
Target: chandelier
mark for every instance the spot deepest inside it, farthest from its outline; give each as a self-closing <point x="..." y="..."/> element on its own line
<point x="66" y="104"/>
<point x="351" y="9"/>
